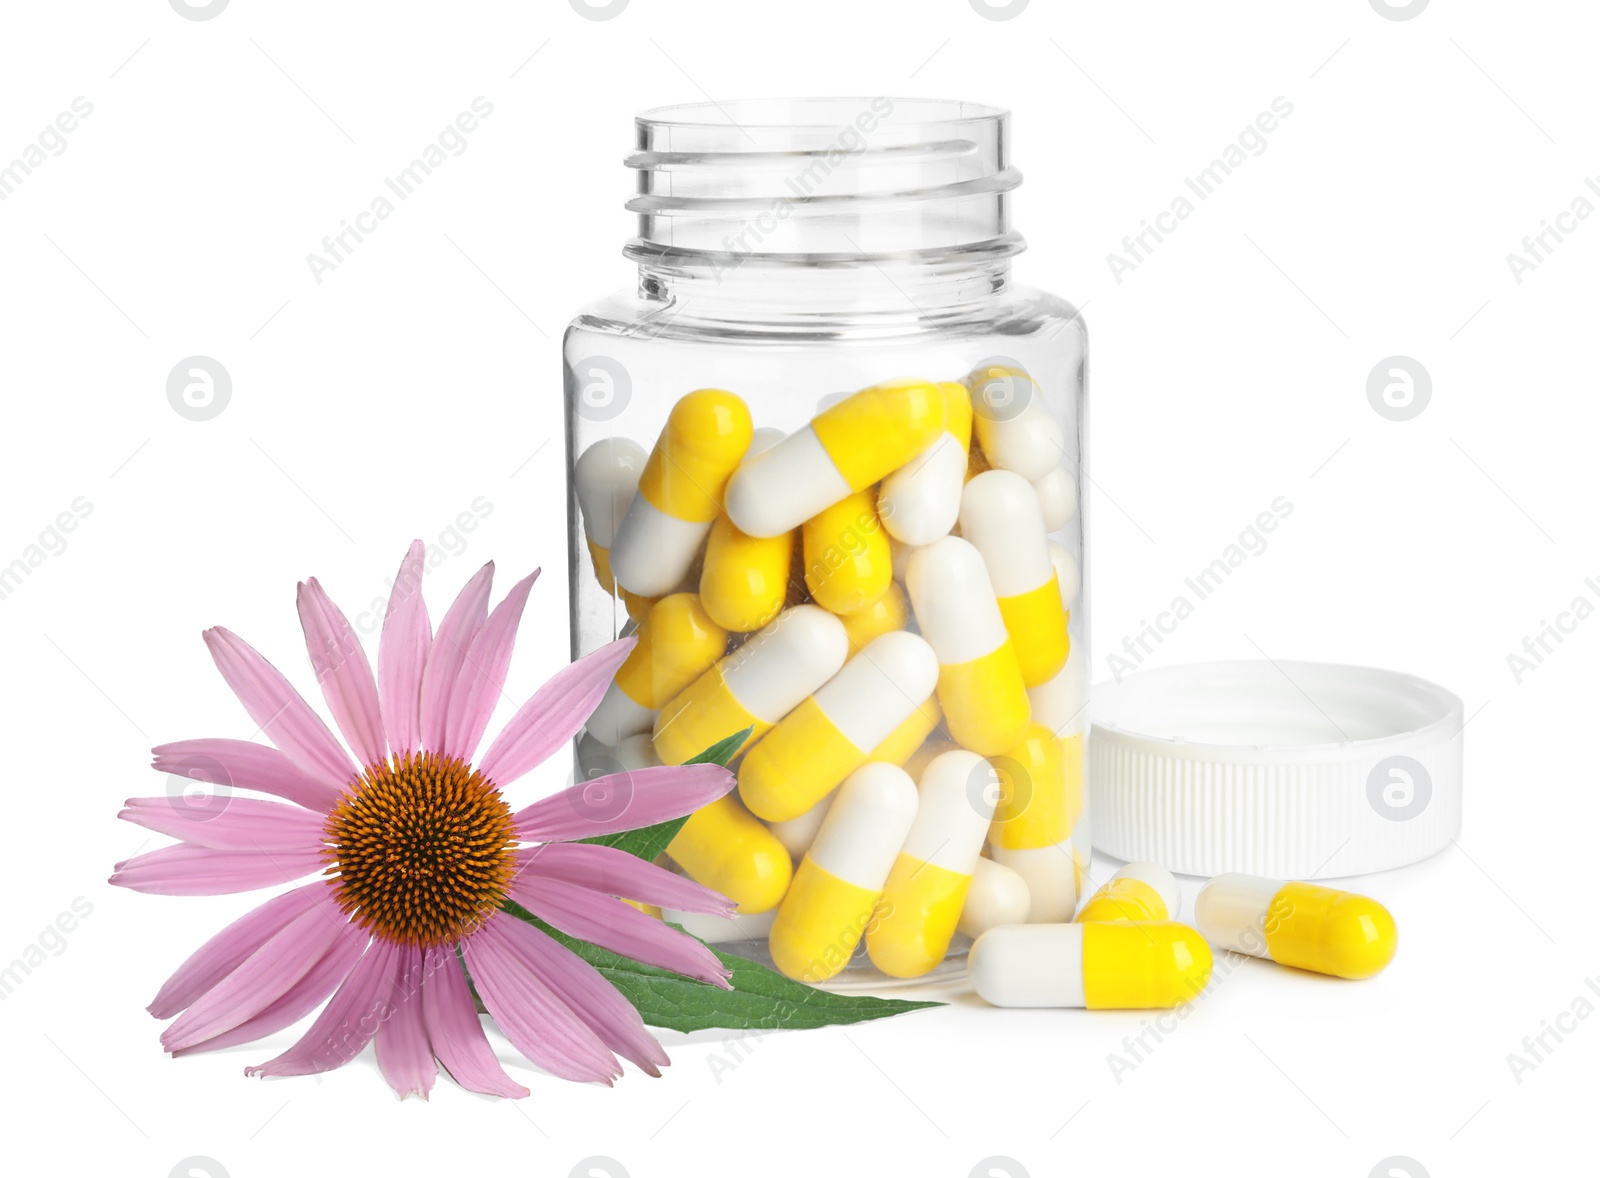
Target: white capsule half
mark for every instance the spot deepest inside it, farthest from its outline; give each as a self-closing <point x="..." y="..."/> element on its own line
<point x="954" y="601"/>
<point x="1000" y="517"/>
<point x="1061" y="703"/>
<point x="780" y="489"/>
<point x="637" y="752"/>
<point x="1051" y="877"/>
<point x="1069" y="577"/>
<point x="723" y="930"/>
<point x="956" y="798"/>
<point x="605" y="478"/>
<point x="865" y="828"/>
<point x="1058" y="498"/>
<point x="997" y="896"/>
<point x="783" y="663"/>
<point x="1014" y="426"/>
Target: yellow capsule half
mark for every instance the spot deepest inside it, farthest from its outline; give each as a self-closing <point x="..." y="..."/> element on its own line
<point x="848" y="562"/>
<point x="880" y="429"/>
<point x="723" y="847"/>
<point x="1041" y="790"/>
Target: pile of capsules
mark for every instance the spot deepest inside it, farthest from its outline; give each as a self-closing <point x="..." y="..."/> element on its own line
<point x="876" y="597"/>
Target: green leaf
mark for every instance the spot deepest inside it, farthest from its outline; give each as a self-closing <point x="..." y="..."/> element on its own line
<point x="649" y="841"/>
<point x="760" y="998"/>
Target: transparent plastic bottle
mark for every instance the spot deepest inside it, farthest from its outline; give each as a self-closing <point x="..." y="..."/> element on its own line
<point x="791" y="254"/>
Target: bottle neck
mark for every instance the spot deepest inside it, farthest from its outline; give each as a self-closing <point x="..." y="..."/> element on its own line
<point x="792" y="211"/>
<point x="741" y="289"/>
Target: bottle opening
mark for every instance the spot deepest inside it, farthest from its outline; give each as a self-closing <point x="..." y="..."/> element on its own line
<point x="820" y="181"/>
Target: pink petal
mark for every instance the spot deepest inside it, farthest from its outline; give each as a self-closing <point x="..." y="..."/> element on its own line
<point x="278" y="709"/>
<point x="342" y="671"/>
<point x="261" y="979"/>
<point x="242" y="764"/>
<point x="223" y="953"/>
<point x="404" y="1057"/>
<point x="483" y="673"/>
<point x="553" y="714"/>
<point x="349" y="1021"/>
<point x="611" y="924"/>
<point x="582" y="987"/>
<point x="297" y="1001"/>
<point x="539" y="1024"/>
<point x="623" y="801"/>
<point x="402" y="653"/>
<point x="617" y="873"/>
<point x="455" y="1032"/>
<point x="188" y="870"/>
<point x="228" y="823"/>
<point x="450" y="645"/>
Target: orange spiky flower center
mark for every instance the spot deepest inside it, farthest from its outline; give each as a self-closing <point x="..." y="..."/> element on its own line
<point x="421" y="850"/>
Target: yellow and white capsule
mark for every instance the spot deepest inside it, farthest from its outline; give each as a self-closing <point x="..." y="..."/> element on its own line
<point x="888" y="613"/>
<point x="722" y="846"/>
<point x="745" y="580"/>
<point x="836" y="888"/>
<point x="605" y="478"/>
<point x="846" y="448"/>
<point x="998" y="896"/>
<point x="1000" y="517"/>
<point x="1300" y="924"/>
<point x="919" y="502"/>
<point x="981" y="690"/>
<point x="1013" y="424"/>
<point x="1058" y="498"/>
<point x="927" y="887"/>
<point x="1125" y="965"/>
<point x="680" y="491"/>
<point x="917" y="764"/>
<point x="831" y="734"/>
<point x="1138" y="891"/>
<point x="755" y="686"/>
<point x="1040" y="802"/>
<point x="848" y="562"/>
<point x="678" y="641"/>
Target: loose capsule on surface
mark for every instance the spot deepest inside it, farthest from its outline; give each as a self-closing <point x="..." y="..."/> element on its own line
<point x="1299" y="924"/>
<point x="755" y="686"/>
<point x="981" y="690"/>
<point x="832" y="733"/>
<point x="927" y="887"/>
<point x="1138" y="891"/>
<point x="1119" y="965"/>
<point x="919" y="502"/>
<point x="680" y="491"/>
<point x="1000" y="517"/>
<point x="835" y="892"/>
<point x="845" y="449"/>
<point x="678" y="641"/>
<point x="605" y="479"/>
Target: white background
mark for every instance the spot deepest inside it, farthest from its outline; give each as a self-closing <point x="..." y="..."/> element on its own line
<point x="1228" y="369"/>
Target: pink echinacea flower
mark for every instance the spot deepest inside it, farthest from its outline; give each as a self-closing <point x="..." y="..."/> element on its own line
<point x="418" y="852"/>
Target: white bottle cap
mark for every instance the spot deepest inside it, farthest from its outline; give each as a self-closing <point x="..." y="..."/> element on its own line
<point x="1283" y="769"/>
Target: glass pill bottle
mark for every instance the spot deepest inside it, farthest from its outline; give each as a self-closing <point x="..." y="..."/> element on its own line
<point x="825" y="462"/>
